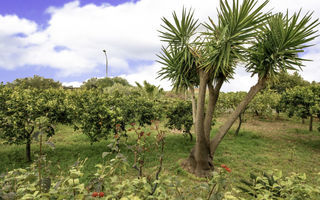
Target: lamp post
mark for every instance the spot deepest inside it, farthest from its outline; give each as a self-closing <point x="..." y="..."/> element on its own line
<point x="105" y="53"/>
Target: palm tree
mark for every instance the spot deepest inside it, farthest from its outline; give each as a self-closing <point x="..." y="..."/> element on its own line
<point x="223" y="48"/>
<point x="268" y="44"/>
<point x="215" y="57"/>
<point x="151" y="91"/>
<point x="275" y="49"/>
<point x="180" y="63"/>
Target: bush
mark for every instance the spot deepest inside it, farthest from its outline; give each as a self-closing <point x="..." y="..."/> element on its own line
<point x="274" y="185"/>
<point x="179" y="115"/>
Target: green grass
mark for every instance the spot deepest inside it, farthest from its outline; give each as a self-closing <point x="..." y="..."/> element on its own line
<point x="261" y="145"/>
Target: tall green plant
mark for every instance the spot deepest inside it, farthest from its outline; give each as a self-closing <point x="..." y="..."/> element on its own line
<point x="267" y="44"/>
<point x="275" y="49"/>
<point x="214" y="59"/>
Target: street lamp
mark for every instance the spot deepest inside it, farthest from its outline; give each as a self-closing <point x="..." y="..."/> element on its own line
<point x="105" y="53"/>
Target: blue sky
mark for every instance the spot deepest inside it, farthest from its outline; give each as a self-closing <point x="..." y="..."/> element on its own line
<point x="36" y="11"/>
<point x="64" y="39"/>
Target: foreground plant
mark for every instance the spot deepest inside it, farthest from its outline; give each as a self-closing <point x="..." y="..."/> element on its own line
<point x="274" y="185"/>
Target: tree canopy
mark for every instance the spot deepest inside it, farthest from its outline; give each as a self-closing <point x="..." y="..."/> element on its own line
<point x="104" y="82"/>
<point x="36" y="81"/>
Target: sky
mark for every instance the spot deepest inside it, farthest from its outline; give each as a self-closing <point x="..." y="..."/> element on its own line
<point x="64" y="39"/>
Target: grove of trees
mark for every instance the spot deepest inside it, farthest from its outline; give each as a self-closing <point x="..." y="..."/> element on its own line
<point x="197" y="58"/>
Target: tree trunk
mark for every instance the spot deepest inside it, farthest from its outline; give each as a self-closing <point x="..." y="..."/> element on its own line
<point x="199" y="161"/>
<point x="257" y="114"/>
<point x="223" y="130"/>
<point x="213" y="98"/>
<point x="303" y="121"/>
<point x="311" y="121"/>
<point x="190" y="135"/>
<point x="278" y="114"/>
<point x="28" y="145"/>
<point x="239" y="126"/>
<point x="194" y="105"/>
<point x="28" y="149"/>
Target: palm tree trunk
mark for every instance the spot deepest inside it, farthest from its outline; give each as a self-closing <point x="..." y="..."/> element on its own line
<point x="198" y="161"/>
<point x="223" y="130"/>
<point x="202" y="149"/>
<point x="213" y="98"/>
<point x="194" y="104"/>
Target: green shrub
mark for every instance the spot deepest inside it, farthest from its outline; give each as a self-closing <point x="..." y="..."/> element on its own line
<point x="274" y="185"/>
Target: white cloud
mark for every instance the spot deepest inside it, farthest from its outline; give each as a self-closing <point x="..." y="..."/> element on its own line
<point x="128" y="32"/>
<point x="242" y="81"/>
<point x="74" y="84"/>
<point x="148" y="73"/>
<point x="11" y="24"/>
<point x="311" y="72"/>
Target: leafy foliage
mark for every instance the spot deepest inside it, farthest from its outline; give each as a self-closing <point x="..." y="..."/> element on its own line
<point x="97" y="120"/>
<point x="286" y="81"/>
<point x="302" y="101"/>
<point x="104" y="82"/>
<point x="22" y="110"/>
<point x="149" y="90"/>
<point x="179" y="115"/>
<point x="225" y="40"/>
<point x="274" y="185"/>
<point x="228" y="101"/>
<point x="97" y="113"/>
<point x="37" y="82"/>
<point x="265" y="103"/>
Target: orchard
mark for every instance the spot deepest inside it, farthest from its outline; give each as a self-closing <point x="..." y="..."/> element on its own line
<point x="111" y="140"/>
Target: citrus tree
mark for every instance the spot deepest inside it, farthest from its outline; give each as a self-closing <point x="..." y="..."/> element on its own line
<point x="179" y="115"/>
<point x="98" y="113"/>
<point x="24" y="112"/>
<point x="228" y="102"/>
<point x="106" y="82"/>
<point x="304" y="102"/>
<point x="35" y="82"/>
<point x="265" y="103"/>
<point x="286" y="81"/>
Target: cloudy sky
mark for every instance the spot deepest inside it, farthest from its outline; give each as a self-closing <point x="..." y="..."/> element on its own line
<point x="64" y="39"/>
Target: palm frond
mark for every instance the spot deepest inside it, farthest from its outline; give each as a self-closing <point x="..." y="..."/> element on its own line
<point x="279" y="43"/>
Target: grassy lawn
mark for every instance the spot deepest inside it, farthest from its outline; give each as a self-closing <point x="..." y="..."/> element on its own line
<point x="262" y="145"/>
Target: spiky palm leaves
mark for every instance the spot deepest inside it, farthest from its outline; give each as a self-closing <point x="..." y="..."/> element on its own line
<point x="178" y="59"/>
<point x="225" y="42"/>
<point x="279" y="42"/>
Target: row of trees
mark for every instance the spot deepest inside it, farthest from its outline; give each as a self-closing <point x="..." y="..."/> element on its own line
<point x="300" y="101"/>
<point x="100" y="114"/>
<point x="266" y="43"/>
<point x="26" y="112"/>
